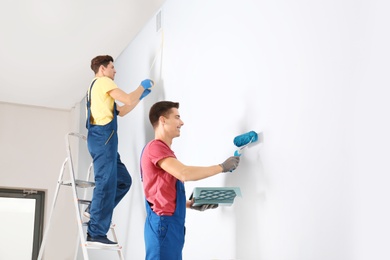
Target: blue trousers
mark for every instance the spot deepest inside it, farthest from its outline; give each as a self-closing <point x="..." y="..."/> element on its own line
<point x="164" y="235"/>
<point x="112" y="180"/>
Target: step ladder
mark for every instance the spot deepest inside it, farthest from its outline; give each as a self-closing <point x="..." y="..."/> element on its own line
<point x="76" y="184"/>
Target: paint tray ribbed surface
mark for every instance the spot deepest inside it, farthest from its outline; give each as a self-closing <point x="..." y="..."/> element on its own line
<point x="223" y="196"/>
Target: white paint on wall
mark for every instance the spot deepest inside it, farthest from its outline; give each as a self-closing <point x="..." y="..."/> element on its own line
<point x="311" y="77"/>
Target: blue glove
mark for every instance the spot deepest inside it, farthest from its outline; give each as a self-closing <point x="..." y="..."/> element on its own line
<point x="147" y="83"/>
<point x="145" y="93"/>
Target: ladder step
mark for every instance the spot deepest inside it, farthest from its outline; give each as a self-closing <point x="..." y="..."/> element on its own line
<point x="84" y="184"/>
<point x="85" y="224"/>
<point x="79" y="183"/>
<point x="112" y="248"/>
<point x="86" y="202"/>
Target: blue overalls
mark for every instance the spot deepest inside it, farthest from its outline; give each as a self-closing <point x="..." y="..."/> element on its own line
<point x="164" y="235"/>
<point x="112" y="180"/>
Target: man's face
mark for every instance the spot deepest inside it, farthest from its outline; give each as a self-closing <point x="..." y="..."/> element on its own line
<point x="173" y="123"/>
<point x="109" y="71"/>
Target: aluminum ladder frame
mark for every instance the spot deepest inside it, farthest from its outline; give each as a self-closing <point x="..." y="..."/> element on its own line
<point x="74" y="184"/>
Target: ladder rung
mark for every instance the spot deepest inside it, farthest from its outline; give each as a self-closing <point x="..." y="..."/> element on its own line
<point x="114" y="248"/>
<point x="85" y="224"/>
<point x="84" y="184"/>
<point x="86" y="202"/>
<point x="66" y="183"/>
<point x="79" y="183"/>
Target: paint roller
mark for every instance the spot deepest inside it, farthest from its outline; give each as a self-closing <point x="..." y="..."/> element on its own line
<point x="242" y="141"/>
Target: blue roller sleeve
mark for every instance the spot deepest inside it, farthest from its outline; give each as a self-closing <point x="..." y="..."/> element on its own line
<point x="147" y="83"/>
<point x="246" y="138"/>
<point x="145" y="93"/>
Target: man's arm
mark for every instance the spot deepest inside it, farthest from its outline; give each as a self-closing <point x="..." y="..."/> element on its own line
<point x="124" y="110"/>
<point x="130" y="100"/>
<point x="194" y="173"/>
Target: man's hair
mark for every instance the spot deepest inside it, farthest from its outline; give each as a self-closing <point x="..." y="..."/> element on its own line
<point x="100" y="60"/>
<point x="162" y="108"/>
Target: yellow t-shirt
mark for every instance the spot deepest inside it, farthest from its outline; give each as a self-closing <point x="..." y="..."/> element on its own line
<point x="102" y="104"/>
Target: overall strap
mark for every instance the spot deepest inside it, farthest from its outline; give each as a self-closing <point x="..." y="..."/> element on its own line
<point x="88" y="101"/>
<point x="140" y="165"/>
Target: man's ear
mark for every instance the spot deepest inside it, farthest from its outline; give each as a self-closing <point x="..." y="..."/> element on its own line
<point x="161" y="119"/>
<point x="102" y="68"/>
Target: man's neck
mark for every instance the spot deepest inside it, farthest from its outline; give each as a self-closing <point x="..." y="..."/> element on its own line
<point x="167" y="141"/>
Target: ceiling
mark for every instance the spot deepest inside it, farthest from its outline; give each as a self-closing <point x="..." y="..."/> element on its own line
<point x="46" y="45"/>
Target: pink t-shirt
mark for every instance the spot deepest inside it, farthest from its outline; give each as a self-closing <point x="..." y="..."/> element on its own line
<point x="159" y="186"/>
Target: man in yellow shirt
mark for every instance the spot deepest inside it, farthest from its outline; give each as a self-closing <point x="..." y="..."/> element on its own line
<point x="112" y="180"/>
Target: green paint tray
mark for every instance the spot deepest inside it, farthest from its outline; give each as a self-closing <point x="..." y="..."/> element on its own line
<point x="223" y="196"/>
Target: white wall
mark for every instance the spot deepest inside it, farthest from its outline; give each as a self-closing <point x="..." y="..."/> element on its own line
<point x="312" y="77"/>
<point x="31" y="154"/>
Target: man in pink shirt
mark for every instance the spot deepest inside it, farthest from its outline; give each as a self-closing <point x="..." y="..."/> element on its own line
<point x="163" y="177"/>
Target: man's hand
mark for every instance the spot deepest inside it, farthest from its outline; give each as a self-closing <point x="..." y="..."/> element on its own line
<point x="204" y="207"/>
<point x="190" y="204"/>
<point x="147" y="83"/>
<point x="230" y="164"/>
